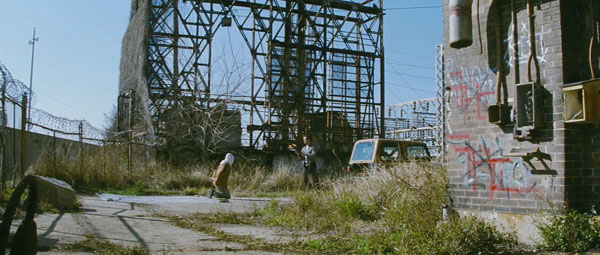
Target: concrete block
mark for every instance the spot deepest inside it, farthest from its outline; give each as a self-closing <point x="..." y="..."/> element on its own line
<point x="56" y="192"/>
<point x="522" y="225"/>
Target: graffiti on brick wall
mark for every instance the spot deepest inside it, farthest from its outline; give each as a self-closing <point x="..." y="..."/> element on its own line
<point x="473" y="89"/>
<point x="487" y="169"/>
<point x="523" y="44"/>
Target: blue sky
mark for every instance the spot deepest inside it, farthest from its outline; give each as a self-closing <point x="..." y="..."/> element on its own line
<point x="77" y="57"/>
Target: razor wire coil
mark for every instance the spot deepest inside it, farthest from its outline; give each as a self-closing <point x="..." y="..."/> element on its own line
<point x="14" y="90"/>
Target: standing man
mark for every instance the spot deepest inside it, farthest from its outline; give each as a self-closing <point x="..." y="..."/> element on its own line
<point x="309" y="156"/>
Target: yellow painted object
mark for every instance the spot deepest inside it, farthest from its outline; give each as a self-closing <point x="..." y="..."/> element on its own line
<point x="381" y="151"/>
<point x="582" y="101"/>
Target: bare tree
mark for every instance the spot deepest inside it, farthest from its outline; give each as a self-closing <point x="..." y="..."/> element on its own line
<point x="207" y="124"/>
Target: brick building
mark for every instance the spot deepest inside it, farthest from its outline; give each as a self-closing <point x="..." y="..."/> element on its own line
<point x="518" y="140"/>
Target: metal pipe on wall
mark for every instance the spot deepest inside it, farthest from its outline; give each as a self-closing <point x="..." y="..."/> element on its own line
<point x="532" y="46"/>
<point x="460" y="23"/>
<point x="499" y="64"/>
<point x="593" y="41"/>
<point x="515" y="42"/>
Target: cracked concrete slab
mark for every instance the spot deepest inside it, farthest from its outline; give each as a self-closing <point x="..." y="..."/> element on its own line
<point x="128" y="221"/>
<point x="274" y="235"/>
<point x="200" y="204"/>
<point x="124" y="224"/>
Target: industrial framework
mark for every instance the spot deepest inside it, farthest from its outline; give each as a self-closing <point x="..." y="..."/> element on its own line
<point x="313" y="68"/>
<point x="414" y="121"/>
<point x="422" y="120"/>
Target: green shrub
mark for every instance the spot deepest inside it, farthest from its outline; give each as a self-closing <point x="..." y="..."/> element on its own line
<point x="352" y="206"/>
<point x="572" y="232"/>
<point x="189" y="191"/>
<point x="305" y="202"/>
<point x="471" y="235"/>
<point x="96" y="245"/>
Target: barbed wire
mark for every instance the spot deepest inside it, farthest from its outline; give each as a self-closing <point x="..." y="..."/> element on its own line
<point x="65" y="125"/>
<point x="15" y="90"/>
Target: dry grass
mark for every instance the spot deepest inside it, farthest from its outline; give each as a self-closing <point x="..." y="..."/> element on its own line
<point x="105" y="169"/>
<point x="386" y="211"/>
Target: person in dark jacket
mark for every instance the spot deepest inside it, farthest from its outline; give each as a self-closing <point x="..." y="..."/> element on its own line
<point x="220" y="177"/>
<point x="309" y="157"/>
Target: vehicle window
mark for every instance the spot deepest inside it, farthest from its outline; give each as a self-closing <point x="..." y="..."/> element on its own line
<point x="390" y="152"/>
<point x="364" y="151"/>
<point x="417" y="152"/>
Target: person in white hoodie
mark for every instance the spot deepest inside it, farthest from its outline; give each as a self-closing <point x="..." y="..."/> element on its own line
<point x="220" y="177"/>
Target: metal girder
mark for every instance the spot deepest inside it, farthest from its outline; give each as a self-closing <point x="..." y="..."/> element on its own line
<point x="312" y="70"/>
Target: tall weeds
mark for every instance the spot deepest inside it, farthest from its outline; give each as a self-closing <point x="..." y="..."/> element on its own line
<point x="106" y="169"/>
<point x="394" y="210"/>
<point x="387" y="211"/>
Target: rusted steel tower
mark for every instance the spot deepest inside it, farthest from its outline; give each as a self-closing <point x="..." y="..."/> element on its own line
<point x="316" y="66"/>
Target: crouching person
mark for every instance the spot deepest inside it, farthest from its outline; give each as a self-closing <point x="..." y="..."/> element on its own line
<point x="220" y="177"/>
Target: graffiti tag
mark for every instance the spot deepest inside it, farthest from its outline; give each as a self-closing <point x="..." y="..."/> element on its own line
<point x="486" y="168"/>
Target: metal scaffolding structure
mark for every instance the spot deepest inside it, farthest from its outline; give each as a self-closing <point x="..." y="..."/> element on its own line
<point x="313" y="68"/>
<point x="414" y="121"/>
<point x="441" y="146"/>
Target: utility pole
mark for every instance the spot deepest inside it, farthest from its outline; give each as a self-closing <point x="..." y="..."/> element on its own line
<point x="32" y="43"/>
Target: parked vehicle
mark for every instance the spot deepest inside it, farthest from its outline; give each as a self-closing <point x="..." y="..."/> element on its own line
<point x="379" y="151"/>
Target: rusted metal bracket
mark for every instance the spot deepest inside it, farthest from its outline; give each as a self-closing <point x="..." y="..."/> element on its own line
<point x="541" y="156"/>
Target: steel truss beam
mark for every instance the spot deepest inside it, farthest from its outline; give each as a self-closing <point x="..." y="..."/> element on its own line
<point x="313" y="65"/>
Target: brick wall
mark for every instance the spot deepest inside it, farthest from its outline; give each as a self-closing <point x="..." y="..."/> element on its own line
<point x="582" y="141"/>
<point x="481" y="171"/>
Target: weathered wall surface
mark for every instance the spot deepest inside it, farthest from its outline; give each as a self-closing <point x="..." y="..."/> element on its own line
<point x="582" y="141"/>
<point x="38" y="146"/>
<point x="481" y="174"/>
<point x="134" y="53"/>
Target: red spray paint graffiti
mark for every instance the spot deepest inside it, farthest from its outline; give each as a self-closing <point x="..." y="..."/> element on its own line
<point x="486" y="168"/>
<point x="474" y="88"/>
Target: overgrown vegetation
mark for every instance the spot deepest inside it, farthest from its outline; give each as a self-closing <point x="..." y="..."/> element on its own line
<point x="103" y="247"/>
<point x="43" y="206"/>
<point x="386" y="211"/>
<point x="570" y="232"/>
<point x="105" y="170"/>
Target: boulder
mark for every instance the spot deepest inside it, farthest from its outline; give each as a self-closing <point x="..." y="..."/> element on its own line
<point x="56" y="192"/>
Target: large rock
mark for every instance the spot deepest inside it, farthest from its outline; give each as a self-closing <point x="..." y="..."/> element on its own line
<point x="56" y="192"/>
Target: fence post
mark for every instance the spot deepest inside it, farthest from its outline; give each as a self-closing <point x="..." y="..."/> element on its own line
<point x="14" y="151"/>
<point x="103" y="160"/>
<point x="81" y="149"/>
<point x="23" y="135"/>
<point x="130" y="132"/>
<point x="4" y="171"/>
<point x="54" y="154"/>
